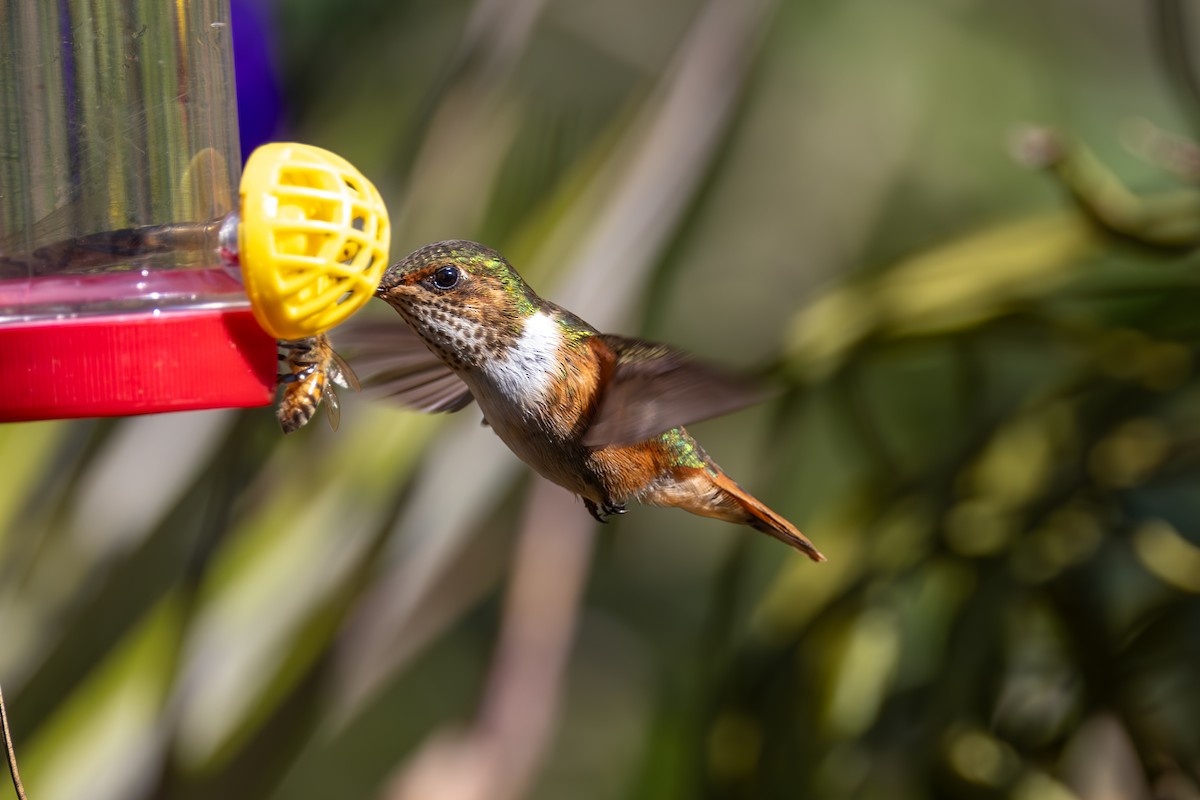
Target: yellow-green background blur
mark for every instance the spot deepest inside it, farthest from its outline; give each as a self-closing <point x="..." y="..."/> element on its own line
<point x="990" y="423"/>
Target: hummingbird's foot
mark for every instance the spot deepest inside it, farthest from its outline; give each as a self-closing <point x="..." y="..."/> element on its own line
<point x="593" y="509"/>
<point x="614" y="508"/>
<point x="601" y="513"/>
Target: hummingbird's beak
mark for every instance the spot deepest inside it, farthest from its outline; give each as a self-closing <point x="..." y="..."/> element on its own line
<point x="392" y="277"/>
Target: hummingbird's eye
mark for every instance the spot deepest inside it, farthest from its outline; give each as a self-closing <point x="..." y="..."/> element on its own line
<point x="446" y="278"/>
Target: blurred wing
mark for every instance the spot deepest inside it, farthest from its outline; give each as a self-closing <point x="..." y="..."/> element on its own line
<point x="655" y="388"/>
<point x="398" y="366"/>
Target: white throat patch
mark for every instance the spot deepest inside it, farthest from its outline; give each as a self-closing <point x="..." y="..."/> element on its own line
<point x="530" y="365"/>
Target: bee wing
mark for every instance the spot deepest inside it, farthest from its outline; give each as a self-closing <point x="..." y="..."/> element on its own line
<point x="333" y="409"/>
<point x="399" y="366"/>
<point x="655" y="388"/>
<point x="342" y="374"/>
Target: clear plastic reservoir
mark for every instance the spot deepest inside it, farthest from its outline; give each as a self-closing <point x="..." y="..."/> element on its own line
<point x="116" y="117"/>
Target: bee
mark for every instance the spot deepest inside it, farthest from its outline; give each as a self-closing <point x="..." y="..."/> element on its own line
<point x="312" y="369"/>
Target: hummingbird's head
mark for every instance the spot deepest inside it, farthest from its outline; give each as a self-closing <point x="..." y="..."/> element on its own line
<point x="465" y="300"/>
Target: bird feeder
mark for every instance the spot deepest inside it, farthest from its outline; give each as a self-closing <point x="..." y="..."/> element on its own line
<point x="133" y="277"/>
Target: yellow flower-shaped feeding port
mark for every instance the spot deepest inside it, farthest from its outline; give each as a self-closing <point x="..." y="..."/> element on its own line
<point x="313" y="239"/>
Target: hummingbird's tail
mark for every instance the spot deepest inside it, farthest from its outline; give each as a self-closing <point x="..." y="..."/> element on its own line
<point x="750" y="511"/>
<point x="714" y="494"/>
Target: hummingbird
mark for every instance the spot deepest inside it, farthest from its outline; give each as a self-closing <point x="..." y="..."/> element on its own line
<point x="599" y="414"/>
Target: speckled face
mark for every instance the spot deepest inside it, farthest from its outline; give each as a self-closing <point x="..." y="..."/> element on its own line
<point x="465" y="301"/>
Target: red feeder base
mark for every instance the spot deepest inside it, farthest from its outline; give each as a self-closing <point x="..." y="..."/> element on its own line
<point x="139" y="363"/>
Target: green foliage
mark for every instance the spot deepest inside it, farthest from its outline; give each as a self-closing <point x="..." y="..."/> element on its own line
<point x="989" y="425"/>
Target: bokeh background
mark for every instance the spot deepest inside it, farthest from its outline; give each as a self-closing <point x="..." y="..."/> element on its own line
<point x="990" y="423"/>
